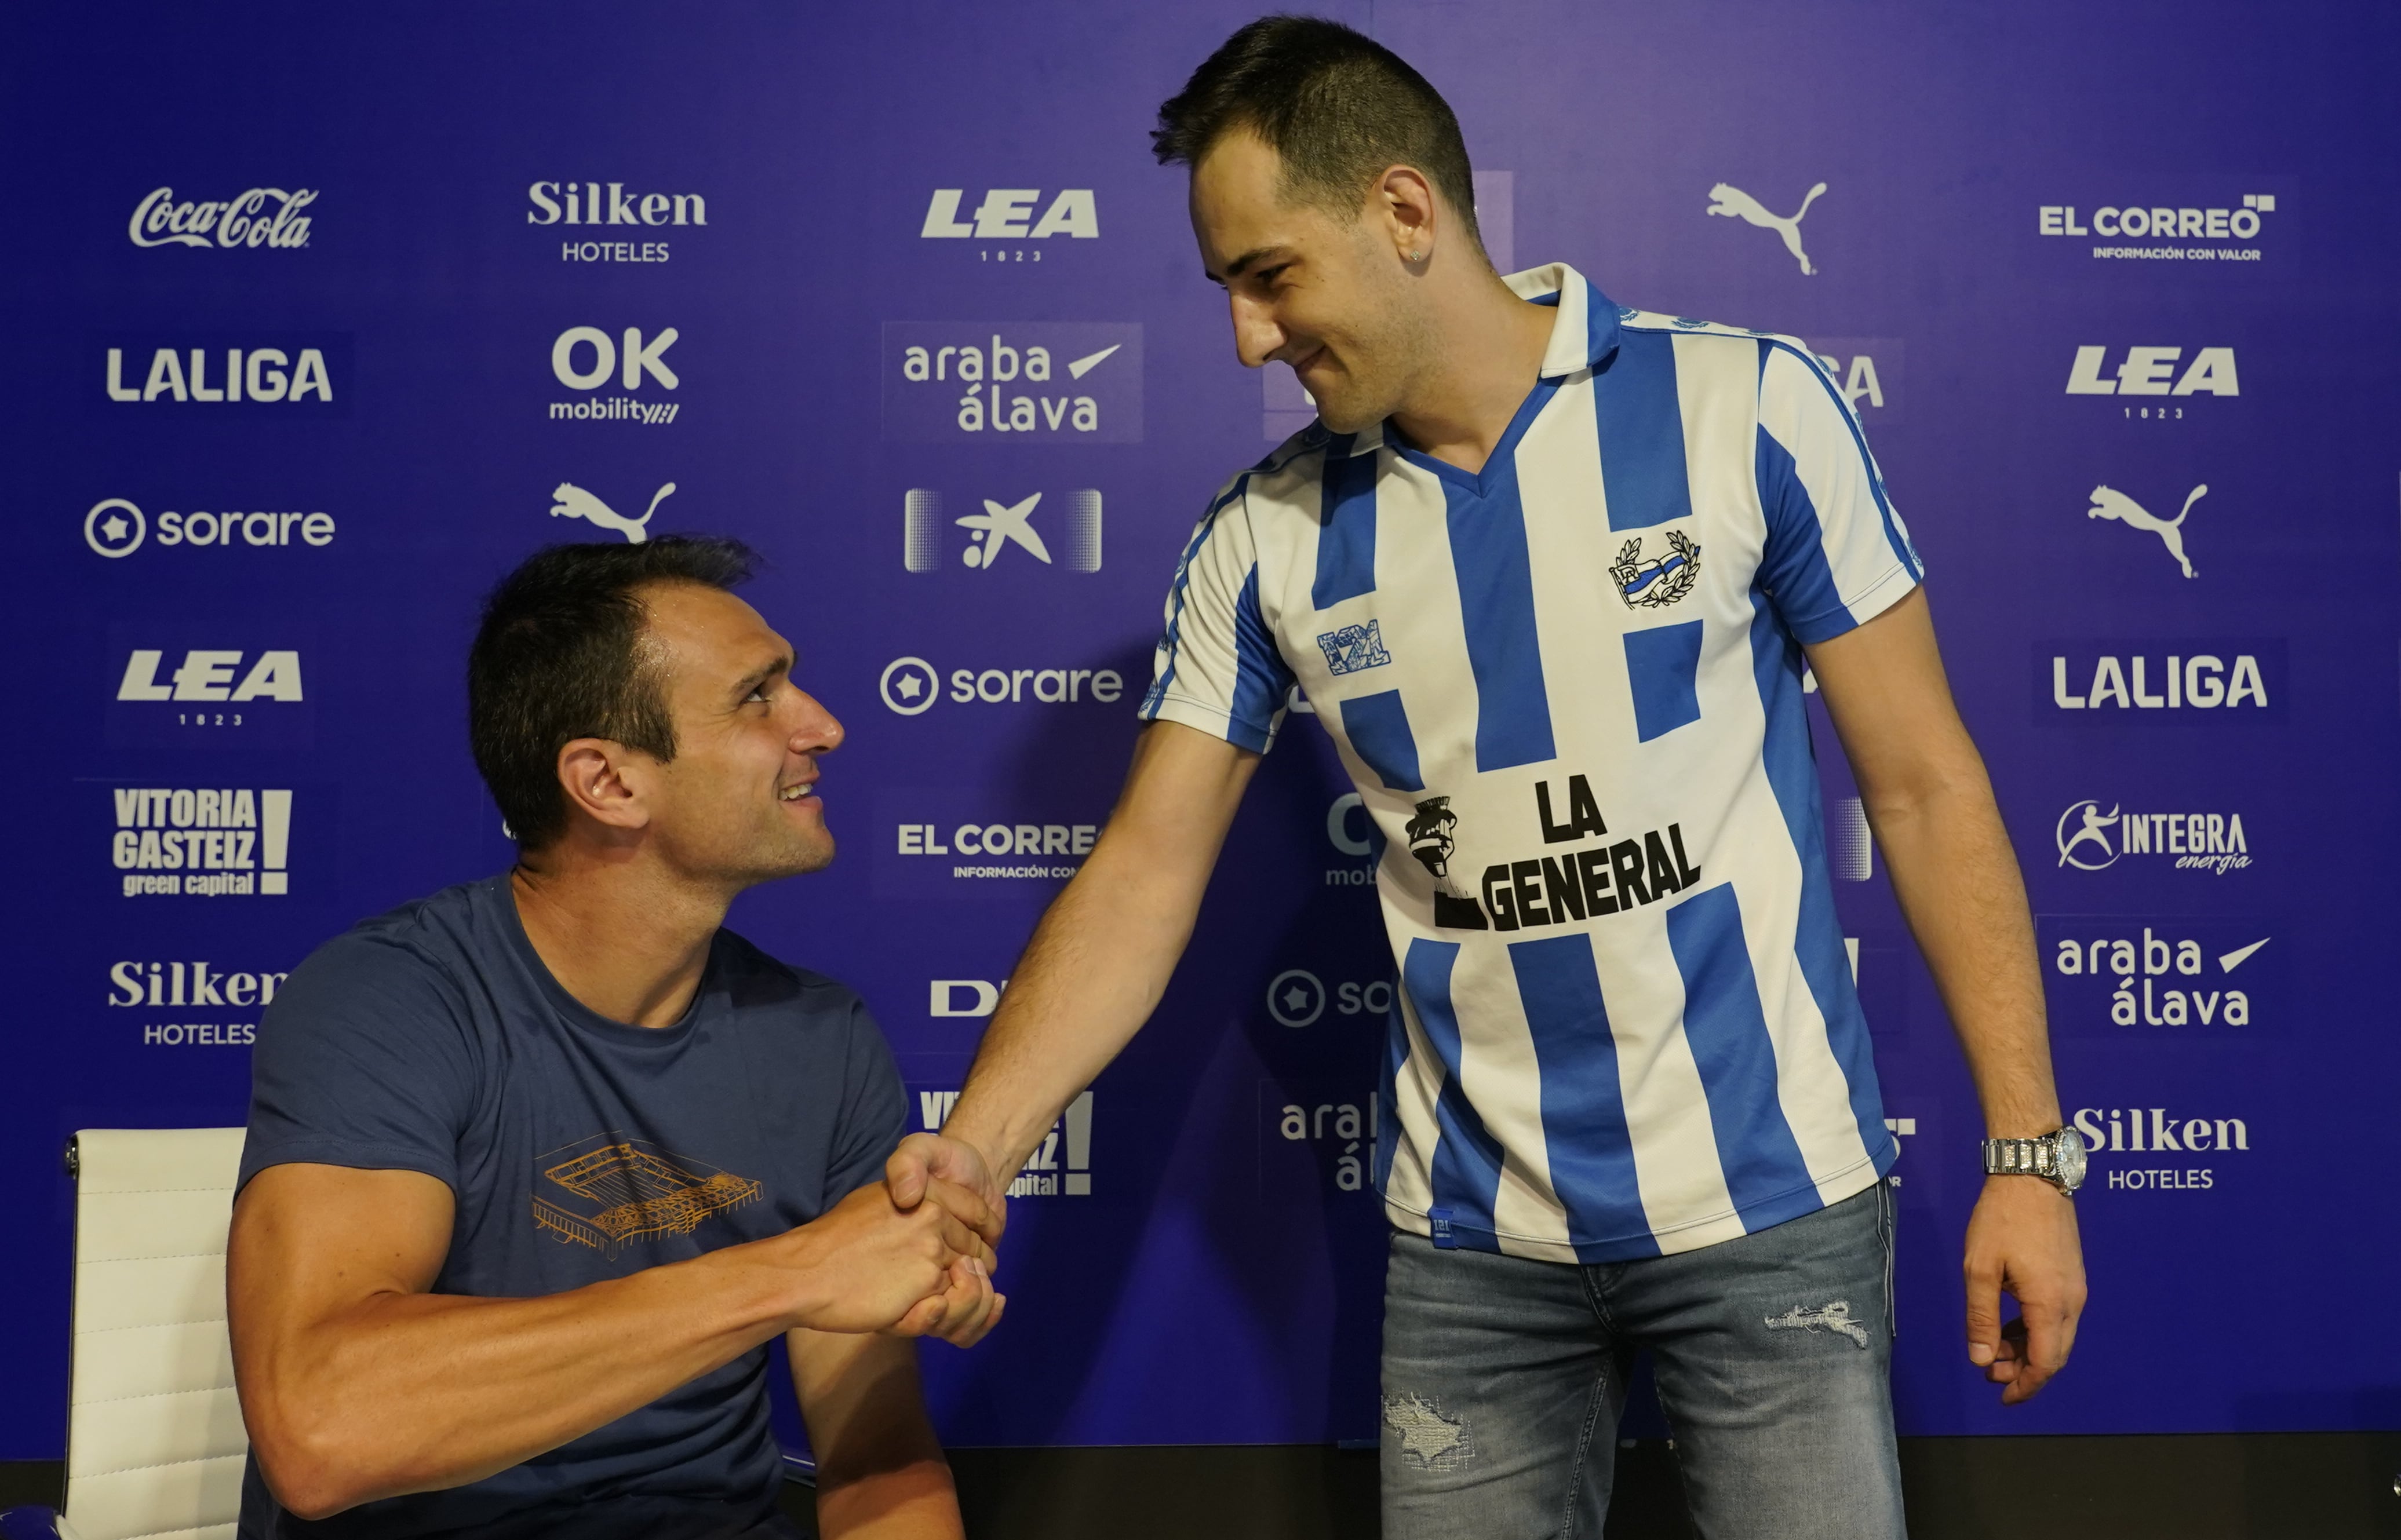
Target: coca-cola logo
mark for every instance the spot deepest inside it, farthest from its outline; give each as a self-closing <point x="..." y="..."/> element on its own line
<point x="263" y="216"/>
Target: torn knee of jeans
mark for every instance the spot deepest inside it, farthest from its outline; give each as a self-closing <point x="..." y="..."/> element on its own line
<point x="1426" y="1436"/>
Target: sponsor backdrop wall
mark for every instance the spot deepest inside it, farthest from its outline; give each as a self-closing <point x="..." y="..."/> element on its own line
<point x="318" y="324"/>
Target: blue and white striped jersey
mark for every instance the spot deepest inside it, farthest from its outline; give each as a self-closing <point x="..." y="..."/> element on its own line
<point x="1569" y="691"/>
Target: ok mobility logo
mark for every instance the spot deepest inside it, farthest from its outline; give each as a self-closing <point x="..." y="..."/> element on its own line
<point x="1022" y="382"/>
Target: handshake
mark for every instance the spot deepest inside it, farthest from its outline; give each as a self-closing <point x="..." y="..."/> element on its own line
<point x="913" y="1256"/>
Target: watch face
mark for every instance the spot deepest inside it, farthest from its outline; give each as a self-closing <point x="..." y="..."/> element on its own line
<point x="2067" y="1147"/>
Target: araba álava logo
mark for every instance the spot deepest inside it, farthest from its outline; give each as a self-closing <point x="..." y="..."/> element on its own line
<point x="1042" y="382"/>
<point x="1007" y="214"/>
<point x="263" y="216"/>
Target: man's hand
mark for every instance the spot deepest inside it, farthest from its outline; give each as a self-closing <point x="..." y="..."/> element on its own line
<point x="2021" y="1238"/>
<point x="922" y="1158"/>
<point x="878" y="1267"/>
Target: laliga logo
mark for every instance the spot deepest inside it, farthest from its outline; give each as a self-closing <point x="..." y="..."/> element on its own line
<point x="246" y="219"/>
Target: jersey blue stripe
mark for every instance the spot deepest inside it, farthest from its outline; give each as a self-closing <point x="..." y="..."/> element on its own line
<point x="1892" y="534"/>
<point x="1378" y="727"/>
<point x="1260" y="676"/>
<point x="1388" y="1123"/>
<point x="1818" y="940"/>
<point x="1173" y="640"/>
<point x="1346" y="533"/>
<point x="1663" y="667"/>
<point x="1727" y="1032"/>
<point x="1641" y="424"/>
<point x="1583" y="1116"/>
<point x="1487" y="522"/>
<point x="1466" y="1158"/>
<point x="1793" y="566"/>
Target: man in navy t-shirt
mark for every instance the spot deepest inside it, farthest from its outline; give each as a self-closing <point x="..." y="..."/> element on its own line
<point x="538" y="1164"/>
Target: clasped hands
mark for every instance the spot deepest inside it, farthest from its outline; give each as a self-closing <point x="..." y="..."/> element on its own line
<point x="915" y="1252"/>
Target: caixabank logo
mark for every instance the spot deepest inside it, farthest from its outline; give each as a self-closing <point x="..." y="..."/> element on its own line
<point x="287" y="376"/>
<point x="2224" y="682"/>
<point x="189" y="841"/>
<point x="1012" y="382"/>
<point x="168" y="997"/>
<point x="2163" y="979"/>
<point x="1061" y="1166"/>
<point x="1009" y="525"/>
<point x="210" y="685"/>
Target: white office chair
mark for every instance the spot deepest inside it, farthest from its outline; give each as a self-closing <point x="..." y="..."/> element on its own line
<point x="154" y="1438"/>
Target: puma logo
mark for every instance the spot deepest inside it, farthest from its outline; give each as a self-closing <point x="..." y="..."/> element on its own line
<point x="1734" y="203"/>
<point x="2110" y="503"/>
<point x="575" y="503"/>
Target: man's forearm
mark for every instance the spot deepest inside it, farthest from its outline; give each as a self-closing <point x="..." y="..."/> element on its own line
<point x="1094" y="971"/>
<point x="421" y="1392"/>
<point x="1961" y="892"/>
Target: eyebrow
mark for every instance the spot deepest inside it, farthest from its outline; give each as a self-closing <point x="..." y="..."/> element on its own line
<point x="758" y="677"/>
<point x="1234" y="269"/>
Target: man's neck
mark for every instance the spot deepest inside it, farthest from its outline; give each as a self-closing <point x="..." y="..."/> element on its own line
<point x="1487" y="356"/>
<point x="621" y="937"/>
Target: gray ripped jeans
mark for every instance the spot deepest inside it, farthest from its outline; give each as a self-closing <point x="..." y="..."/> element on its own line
<point x="1504" y="1378"/>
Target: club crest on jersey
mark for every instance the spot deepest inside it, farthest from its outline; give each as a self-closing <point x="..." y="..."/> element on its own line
<point x="1662" y="580"/>
<point x="1354" y="648"/>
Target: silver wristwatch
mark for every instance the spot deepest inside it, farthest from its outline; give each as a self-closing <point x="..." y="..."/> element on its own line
<point x="2057" y="1157"/>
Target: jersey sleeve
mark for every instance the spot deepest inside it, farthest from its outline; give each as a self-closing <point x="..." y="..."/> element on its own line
<point x="1217" y="668"/>
<point x="1837" y="554"/>
<point x="363" y="1061"/>
<point x="874" y="1110"/>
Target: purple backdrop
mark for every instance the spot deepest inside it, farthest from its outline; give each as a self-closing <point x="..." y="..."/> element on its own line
<point x="323" y="322"/>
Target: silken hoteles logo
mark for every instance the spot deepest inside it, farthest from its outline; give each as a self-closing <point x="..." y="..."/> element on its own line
<point x="279" y="376"/>
<point x="570" y="501"/>
<point x="117" y="527"/>
<point x="1015" y="382"/>
<point x="2208" y="678"/>
<point x="207" y="697"/>
<point x="260" y="217"/>
<point x="2110" y="503"/>
<point x="1060" y="1167"/>
<point x="911" y="685"/>
<point x="1732" y="203"/>
<point x="2157" y="1131"/>
<point x="2110" y="975"/>
<point x="185" y="987"/>
<point x="2214" y="227"/>
<point x="201" y="841"/>
<point x="1005" y="525"/>
<point x="626" y="358"/>
<point x="2090" y="840"/>
<point x="624" y="214"/>
<point x="1008" y="215"/>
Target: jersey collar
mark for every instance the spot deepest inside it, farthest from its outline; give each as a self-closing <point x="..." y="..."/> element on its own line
<point x="1583" y="337"/>
<point x="1585" y="333"/>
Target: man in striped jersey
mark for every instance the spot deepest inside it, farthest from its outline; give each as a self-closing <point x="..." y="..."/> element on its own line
<point x="1550" y="571"/>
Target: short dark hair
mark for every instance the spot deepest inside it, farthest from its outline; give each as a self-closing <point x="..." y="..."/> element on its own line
<point x="560" y="656"/>
<point x="1338" y="109"/>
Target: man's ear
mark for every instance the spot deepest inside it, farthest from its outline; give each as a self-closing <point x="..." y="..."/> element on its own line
<point x="1410" y="212"/>
<point x="604" y="782"/>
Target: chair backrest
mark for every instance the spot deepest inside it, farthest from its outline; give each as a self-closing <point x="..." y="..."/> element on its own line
<point x="154" y="1438"/>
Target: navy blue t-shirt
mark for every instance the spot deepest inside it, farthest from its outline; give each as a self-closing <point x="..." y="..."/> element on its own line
<point x="432" y="1038"/>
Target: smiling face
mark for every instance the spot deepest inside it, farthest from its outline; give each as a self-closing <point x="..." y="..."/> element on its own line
<point x="1334" y="298"/>
<point x="737" y="804"/>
